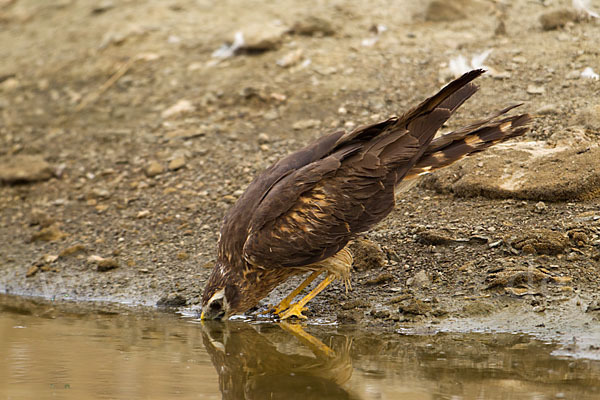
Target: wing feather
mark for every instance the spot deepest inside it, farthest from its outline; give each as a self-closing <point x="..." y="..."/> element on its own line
<point x="313" y="210"/>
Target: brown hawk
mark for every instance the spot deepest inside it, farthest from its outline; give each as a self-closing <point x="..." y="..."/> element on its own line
<point x="299" y="214"/>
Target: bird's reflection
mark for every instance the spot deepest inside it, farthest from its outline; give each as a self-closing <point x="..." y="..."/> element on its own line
<point x="264" y="362"/>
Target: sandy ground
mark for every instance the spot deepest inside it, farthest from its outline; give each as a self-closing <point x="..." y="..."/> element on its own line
<point x="124" y="140"/>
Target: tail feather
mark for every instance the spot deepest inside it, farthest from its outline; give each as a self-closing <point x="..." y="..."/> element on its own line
<point x="457" y="99"/>
<point x="474" y="138"/>
<point x="414" y="131"/>
<point x="450" y="97"/>
<point x="444" y="140"/>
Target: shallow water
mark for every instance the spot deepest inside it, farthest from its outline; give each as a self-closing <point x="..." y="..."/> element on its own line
<point x="65" y="351"/>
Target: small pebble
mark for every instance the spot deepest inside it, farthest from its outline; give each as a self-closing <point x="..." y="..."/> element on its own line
<point x="306" y="124"/>
<point x="143" y="214"/>
<point x="177" y="163"/>
<point x="263" y="138"/>
<point x="533" y="89"/>
<point x="540" y="207"/>
<point x="153" y="169"/>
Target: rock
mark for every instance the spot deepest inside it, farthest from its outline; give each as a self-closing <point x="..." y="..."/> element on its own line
<point x="367" y="255"/>
<point x="104" y="264"/>
<point x="477" y="239"/>
<point x="572" y="137"/>
<point x="24" y="169"/>
<point x="541" y="241"/>
<point x="352" y="304"/>
<point x="143" y="214"/>
<point x="177" y="163"/>
<point x="172" y="300"/>
<point x="102" y="7"/>
<point x="524" y="170"/>
<point x="380" y="314"/>
<point x="100" y="208"/>
<point x="400" y="298"/>
<point x="9" y="85"/>
<point x="262" y="37"/>
<point x="594" y="306"/>
<point x="420" y="279"/>
<point x="254" y="92"/>
<point x="263" y="138"/>
<point x="310" y="25"/>
<point x="497" y="243"/>
<point x="414" y="307"/>
<point x="34" y="269"/>
<point x="49" y="258"/>
<point x="271" y="115"/>
<point x="153" y="169"/>
<point x="99" y="193"/>
<point x="435" y="237"/>
<point x="306" y="124"/>
<point x="290" y="59"/>
<point x="349" y="317"/>
<point x="579" y="237"/>
<point x="521" y="278"/>
<point x="39" y="217"/>
<point x="181" y="107"/>
<point x="540" y="207"/>
<point x="49" y="234"/>
<point x="574" y="74"/>
<point x="380" y="279"/>
<point x="590" y="118"/>
<point x="533" y="89"/>
<point x="75" y="249"/>
<point x="184" y="134"/>
<point x="444" y="11"/>
<point x="557" y="19"/>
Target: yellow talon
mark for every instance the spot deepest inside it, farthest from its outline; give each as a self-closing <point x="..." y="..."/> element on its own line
<point x="295" y="310"/>
<point x="285" y="303"/>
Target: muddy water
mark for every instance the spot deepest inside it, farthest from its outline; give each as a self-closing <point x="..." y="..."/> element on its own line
<point x="74" y="351"/>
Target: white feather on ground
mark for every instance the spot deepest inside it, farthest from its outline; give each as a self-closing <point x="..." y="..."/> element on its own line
<point x="458" y="65"/>
<point x="583" y="7"/>
<point x="589" y="73"/>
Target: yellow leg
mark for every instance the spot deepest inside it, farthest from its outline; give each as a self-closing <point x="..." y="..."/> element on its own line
<point x="285" y="303"/>
<point x="295" y="310"/>
<point x="317" y="347"/>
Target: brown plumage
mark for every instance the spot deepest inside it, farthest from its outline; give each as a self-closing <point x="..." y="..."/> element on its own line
<point x="301" y="211"/>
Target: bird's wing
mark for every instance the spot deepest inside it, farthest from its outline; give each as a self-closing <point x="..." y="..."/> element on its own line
<point x="311" y="213"/>
<point x="236" y="221"/>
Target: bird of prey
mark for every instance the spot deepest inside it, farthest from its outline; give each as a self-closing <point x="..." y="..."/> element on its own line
<point x="299" y="214"/>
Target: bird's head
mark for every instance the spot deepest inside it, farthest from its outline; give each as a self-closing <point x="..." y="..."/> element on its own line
<point x="220" y="299"/>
